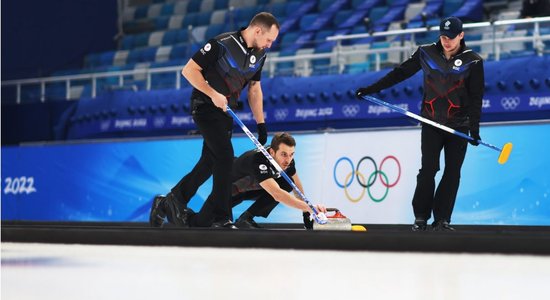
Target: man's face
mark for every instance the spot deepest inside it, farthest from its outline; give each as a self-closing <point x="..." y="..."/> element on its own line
<point x="283" y="156"/>
<point x="264" y="38"/>
<point x="451" y="45"/>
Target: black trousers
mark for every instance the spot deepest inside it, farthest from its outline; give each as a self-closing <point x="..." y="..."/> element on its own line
<point x="216" y="160"/>
<point x="442" y="202"/>
<point x="263" y="202"/>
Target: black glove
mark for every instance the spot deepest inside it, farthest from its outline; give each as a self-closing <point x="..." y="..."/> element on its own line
<point x="262" y="133"/>
<point x="308" y="222"/>
<point x="364" y="91"/>
<point x="475" y="135"/>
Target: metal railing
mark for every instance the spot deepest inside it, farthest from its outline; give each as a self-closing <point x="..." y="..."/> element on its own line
<point x="339" y="57"/>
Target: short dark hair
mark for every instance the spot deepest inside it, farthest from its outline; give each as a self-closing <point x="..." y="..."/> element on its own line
<point x="282" y="138"/>
<point x="265" y="19"/>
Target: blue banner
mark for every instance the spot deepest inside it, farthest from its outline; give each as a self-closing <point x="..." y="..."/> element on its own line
<point x="116" y="181"/>
<point x="346" y="110"/>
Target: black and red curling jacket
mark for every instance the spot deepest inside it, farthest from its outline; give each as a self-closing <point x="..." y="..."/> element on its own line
<point x="453" y="88"/>
<point x="229" y="64"/>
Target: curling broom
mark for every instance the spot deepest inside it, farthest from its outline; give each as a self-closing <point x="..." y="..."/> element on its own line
<point x="504" y="152"/>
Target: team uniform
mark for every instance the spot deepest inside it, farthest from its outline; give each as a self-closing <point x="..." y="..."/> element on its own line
<point x="249" y="170"/>
<point x="453" y="92"/>
<point x="228" y="65"/>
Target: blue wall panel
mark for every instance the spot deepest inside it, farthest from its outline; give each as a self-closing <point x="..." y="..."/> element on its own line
<point x="116" y="181"/>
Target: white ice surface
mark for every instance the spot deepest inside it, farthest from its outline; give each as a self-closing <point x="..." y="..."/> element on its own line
<point x="55" y="271"/>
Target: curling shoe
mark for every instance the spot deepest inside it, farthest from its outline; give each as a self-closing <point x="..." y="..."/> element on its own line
<point x="246" y="221"/>
<point x="157" y="215"/>
<point x="224" y="224"/>
<point x="419" y="225"/>
<point x="177" y="213"/>
<point x="442" y="225"/>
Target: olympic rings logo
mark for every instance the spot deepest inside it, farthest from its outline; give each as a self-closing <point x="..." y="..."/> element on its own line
<point x="510" y="103"/>
<point x="351" y="110"/>
<point x="281" y="114"/>
<point x="366" y="185"/>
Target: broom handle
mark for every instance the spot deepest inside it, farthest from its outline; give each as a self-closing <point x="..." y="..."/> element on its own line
<point x="427" y="121"/>
<point x="319" y="219"/>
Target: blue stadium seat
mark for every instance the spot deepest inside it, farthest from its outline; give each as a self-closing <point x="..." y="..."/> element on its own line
<point x="277" y="9"/>
<point x="307" y="20"/>
<point x="392" y="3"/>
<point x="451" y="6"/>
<point x="161" y="22"/>
<point x="327" y="14"/>
<point x="321" y="36"/>
<point x="106" y="58"/>
<point x="170" y="37"/>
<point x="214" y="30"/>
<point x="220" y="4"/>
<point x="433" y="9"/>
<point x="182" y="36"/>
<point x="370" y="39"/>
<point x="133" y="57"/>
<point x="324" y="4"/>
<point x="294" y="13"/>
<point x="141" y="12"/>
<point x="285" y="68"/>
<point x="393" y="14"/>
<point x="320" y="40"/>
<point x="141" y="40"/>
<point x="341" y="17"/>
<point x="194" y="6"/>
<point x="289" y="38"/>
<point x="179" y="52"/>
<point x="189" y="19"/>
<point x="303" y="41"/>
<point x="471" y="10"/>
<point x="366" y="4"/>
<point x="167" y="9"/>
<point x="427" y="37"/>
<point x="291" y="7"/>
<point x="377" y="13"/>
<point x="244" y="14"/>
<point x="203" y="18"/>
<point x="148" y="54"/>
<point x="127" y="42"/>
